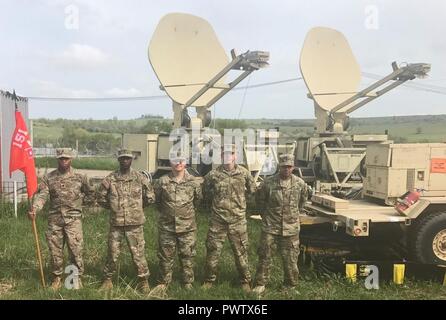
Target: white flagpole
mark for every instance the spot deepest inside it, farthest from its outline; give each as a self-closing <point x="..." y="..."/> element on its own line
<point x="15" y="198"/>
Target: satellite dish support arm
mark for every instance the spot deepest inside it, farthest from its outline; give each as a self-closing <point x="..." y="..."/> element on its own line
<point x="247" y="62"/>
<point x="399" y="75"/>
<point x="213" y="81"/>
<point x="229" y="88"/>
<point x="363" y="93"/>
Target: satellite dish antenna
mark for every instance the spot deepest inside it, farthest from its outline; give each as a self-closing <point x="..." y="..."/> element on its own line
<point x="185" y="53"/>
<point x="329" y="67"/>
<point x="192" y="65"/>
<point x="330" y="71"/>
<point x="332" y="76"/>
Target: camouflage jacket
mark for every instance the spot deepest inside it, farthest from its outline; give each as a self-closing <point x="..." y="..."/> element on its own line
<point x="67" y="192"/>
<point x="280" y="204"/>
<point x="226" y="192"/>
<point x="176" y="202"/>
<point x="126" y="196"/>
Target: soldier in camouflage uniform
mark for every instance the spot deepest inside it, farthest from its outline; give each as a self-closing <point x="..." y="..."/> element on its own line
<point x="67" y="190"/>
<point x="177" y="194"/>
<point x="226" y="189"/>
<point x="280" y="199"/>
<point x="126" y="192"/>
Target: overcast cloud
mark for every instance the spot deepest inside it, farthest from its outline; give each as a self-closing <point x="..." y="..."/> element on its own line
<point x="107" y="55"/>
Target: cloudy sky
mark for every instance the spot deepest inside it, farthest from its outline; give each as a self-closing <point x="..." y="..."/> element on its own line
<point x="44" y="52"/>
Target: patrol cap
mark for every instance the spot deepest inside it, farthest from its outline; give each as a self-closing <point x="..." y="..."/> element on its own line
<point x="177" y="156"/>
<point x="65" y="153"/>
<point x="229" y="148"/>
<point x="125" y="153"/>
<point x="286" y="160"/>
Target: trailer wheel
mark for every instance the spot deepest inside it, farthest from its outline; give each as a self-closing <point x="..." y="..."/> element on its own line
<point x="428" y="243"/>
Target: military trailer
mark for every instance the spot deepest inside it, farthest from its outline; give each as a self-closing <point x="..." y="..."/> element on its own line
<point x="371" y="194"/>
<point x="404" y="194"/>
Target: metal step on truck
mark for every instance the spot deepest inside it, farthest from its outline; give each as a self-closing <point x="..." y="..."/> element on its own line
<point x="403" y="202"/>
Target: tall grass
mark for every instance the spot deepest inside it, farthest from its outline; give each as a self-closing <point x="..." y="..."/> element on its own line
<point x="19" y="278"/>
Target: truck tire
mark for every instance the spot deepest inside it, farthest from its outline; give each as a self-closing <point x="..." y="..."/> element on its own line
<point x="428" y="240"/>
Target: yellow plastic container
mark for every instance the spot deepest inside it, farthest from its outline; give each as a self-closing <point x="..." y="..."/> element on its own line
<point x="350" y="271"/>
<point x="398" y="273"/>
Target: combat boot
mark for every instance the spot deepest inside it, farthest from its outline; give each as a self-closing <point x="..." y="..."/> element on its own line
<point x="106" y="285"/>
<point x="290" y="290"/>
<point x="259" y="290"/>
<point x="188" y="286"/>
<point x="143" y="285"/>
<point x="207" y="285"/>
<point x="159" y="292"/>
<point x="79" y="284"/>
<point x="246" y="287"/>
<point x="57" y="283"/>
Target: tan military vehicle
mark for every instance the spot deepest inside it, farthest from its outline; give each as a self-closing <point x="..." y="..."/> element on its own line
<point x="332" y="159"/>
<point x="399" y="189"/>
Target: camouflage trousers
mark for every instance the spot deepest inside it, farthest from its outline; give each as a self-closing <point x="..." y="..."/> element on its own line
<point x="238" y="238"/>
<point x="134" y="236"/>
<point x="168" y="242"/>
<point x="289" y="250"/>
<point x="60" y="231"/>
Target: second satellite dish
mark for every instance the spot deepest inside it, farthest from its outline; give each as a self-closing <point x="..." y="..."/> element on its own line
<point x="329" y="68"/>
<point x="185" y="54"/>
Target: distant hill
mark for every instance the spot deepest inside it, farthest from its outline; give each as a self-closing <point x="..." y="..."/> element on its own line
<point x="420" y="128"/>
<point x="106" y="134"/>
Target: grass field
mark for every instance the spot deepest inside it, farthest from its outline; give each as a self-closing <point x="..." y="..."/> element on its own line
<point x="410" y="130"/>
<point x="401" y="129"/>
<point x="19" y="278"/>
<point x="46" y="132"/>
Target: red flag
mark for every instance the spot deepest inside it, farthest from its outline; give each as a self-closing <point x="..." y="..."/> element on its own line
<point x="22" y="154"/>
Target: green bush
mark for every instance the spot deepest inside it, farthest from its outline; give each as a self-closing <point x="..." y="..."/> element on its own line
<point x="80" y="163"/>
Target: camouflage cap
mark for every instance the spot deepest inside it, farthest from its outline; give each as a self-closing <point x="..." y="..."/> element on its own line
<point x="125" y="153"/>
<point x="286" y="160"/>
<point x="177" y="156"/>
<point x="65" y="153"/>
<point x="229" y="148"/>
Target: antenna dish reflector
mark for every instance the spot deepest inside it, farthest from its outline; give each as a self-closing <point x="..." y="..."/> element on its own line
<point x="329" y="68"/>
<point x="185" y="54"/>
